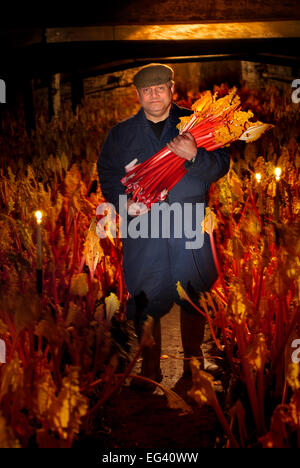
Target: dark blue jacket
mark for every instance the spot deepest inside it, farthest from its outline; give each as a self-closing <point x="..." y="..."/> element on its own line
<point x="153" y="266"/>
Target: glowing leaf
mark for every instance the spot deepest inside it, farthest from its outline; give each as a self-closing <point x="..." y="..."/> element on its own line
<point x="72" y="180"/>
<point x="239" y="306"/>
<point x="79" y="284"/>
<point x="44" y="391"/>
<point x="203" y="390"/>
<point x="68" y="408"/>
<point x="181" y="292"/>
<point x="295" y="407"/>
<point x="55" y="333"/>
<point x="293" y="376"/>
<point x="92" y="249"/>
<point x="210" y="221"/>
<point x="236" y="185"/>
<point x="257" y="352"/>
<point x="112" y="304"/>
<point x="11" y="376"/>
<point x="254" y="132"/>
<point x="176" y="402"/>
<point x="7" y="438"/>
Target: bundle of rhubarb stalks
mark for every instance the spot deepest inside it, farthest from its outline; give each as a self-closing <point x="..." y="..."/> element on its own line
<point x="214" y="123"/>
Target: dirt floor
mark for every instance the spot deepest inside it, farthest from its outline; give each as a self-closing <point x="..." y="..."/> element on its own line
<point x="139" y="419"/>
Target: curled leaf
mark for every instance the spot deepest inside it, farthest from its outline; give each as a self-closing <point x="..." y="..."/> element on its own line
<point x="255" y="132"/>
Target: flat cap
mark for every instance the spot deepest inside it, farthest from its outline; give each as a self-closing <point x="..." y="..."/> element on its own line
<point x="152" y="75"/>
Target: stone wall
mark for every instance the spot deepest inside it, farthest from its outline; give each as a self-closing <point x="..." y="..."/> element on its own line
<point x="190" y="78"/>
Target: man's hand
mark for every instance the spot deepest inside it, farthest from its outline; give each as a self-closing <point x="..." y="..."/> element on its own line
<point x="135" y="208"/>
<point x="184" y="146"/>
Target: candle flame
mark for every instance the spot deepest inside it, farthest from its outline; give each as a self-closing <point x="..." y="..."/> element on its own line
<point x="38" y="215"/>
<point x="277" y="173"/>
<point x="258" y="176"/>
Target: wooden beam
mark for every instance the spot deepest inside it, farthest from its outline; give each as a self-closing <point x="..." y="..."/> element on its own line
<point x="172" y="32"/>
<point x="40" y="14"/>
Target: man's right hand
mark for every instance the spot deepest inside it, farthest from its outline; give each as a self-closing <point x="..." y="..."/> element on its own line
<point x="136" y="208"/>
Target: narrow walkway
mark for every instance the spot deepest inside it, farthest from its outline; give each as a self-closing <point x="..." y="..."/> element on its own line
<point x="171" y="346"/>
<point x="139" y="419"/>
<point x="171" y="367"/>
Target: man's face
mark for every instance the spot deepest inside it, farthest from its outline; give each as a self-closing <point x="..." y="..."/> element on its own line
<point x="156" y="101"/>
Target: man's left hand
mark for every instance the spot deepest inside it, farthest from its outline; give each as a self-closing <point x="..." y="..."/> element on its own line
<point x="184" y="146"/>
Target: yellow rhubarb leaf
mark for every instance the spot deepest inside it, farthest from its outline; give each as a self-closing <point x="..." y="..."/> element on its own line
<point x="7" y="437"/>
<point x="181" y="292"/>
<point x="210" y="221"/>
<point x="79" y="284"/>
<point x="293" y="376"/>
<point x="93" y="251"/>
<point x="112" y="305"/>
<point x="68" y="408"/>
<point x="203" y="390"/>
<point x="257" y="352"/>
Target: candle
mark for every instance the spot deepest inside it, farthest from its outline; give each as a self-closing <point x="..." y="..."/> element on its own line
<point x="277" y="173"/>
<point x="38" y="215"/>
<point x="277" y="193"/>
<point x="260" y="194"/>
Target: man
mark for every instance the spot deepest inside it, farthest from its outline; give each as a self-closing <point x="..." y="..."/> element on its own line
<point x="152" y="266"/>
